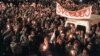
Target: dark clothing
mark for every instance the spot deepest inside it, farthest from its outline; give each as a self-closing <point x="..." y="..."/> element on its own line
<point x="60" y="50"/>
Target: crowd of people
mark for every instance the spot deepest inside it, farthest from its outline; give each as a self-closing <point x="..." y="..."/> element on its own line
<point x="34" y="29"/>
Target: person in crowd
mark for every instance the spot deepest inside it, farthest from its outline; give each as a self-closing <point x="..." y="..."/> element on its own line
<point x="84" y="52"/>
<point x="45" y="48"/>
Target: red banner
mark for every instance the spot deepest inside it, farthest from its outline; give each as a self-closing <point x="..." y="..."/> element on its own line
<point x="84" y="13"/>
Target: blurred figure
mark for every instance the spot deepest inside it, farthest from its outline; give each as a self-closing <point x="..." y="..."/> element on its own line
<point x="72" y="52"/>
<point x="45" y="47"/>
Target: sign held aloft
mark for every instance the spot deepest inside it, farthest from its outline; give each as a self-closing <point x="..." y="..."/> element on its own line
<point x="84" y="13"/>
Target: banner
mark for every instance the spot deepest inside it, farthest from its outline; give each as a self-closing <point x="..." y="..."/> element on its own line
<point x="84" y="13"/>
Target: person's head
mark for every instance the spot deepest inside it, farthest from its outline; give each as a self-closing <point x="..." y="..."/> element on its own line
<point x="59" y="40"/>
<point x="86" y="36"/>
<point x="77" y="32"/>
<point x="46" y="40"/>
<point x="72" y="52"/>
<point x="70" y="36"/>
<point x="84" y="52"/>
<point x="89" y="46"/>
<point x="98" y="29"/>
<point x="69" y="44"/>
<point x="28" y="19"/>
<point x="93" y="29"/>
<point x="46" y="25"/>
<point x="76" y="44"/>
<point x="16" y="28"/>
<point x="72" y="25"/>
<point x="33" y="33"/>
<point x="8" y="26"/>
<point x="52" y="26"/>
<point x="59" y="28"/>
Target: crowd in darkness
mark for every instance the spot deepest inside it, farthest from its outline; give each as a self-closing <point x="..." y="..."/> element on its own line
<point x="36" y="30"/>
